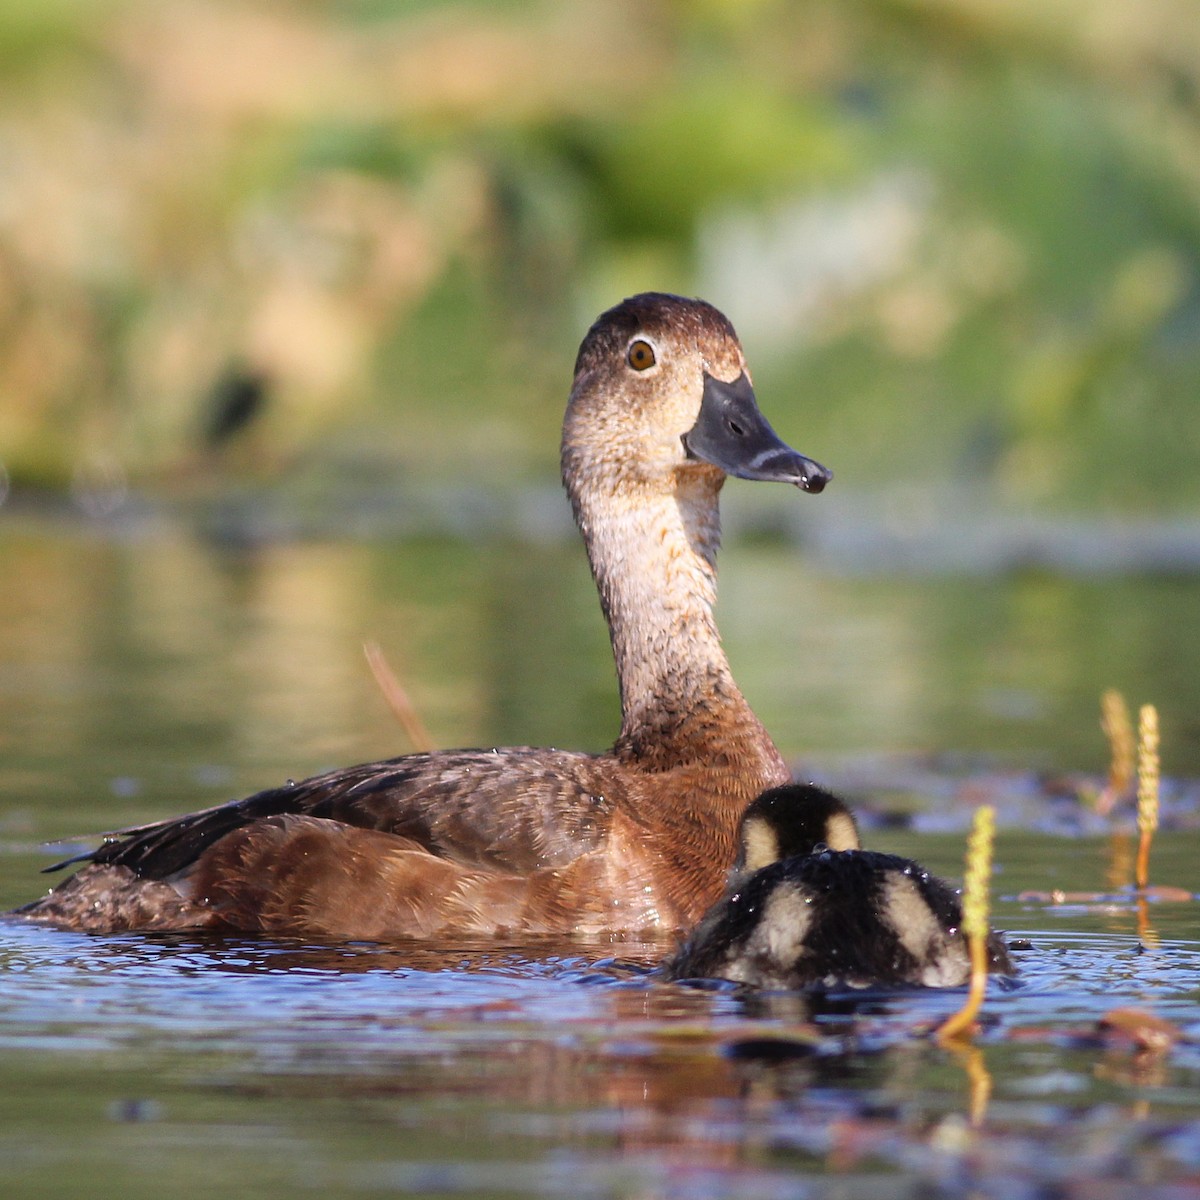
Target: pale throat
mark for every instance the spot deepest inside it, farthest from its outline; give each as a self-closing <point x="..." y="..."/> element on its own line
<point x="655" y="565"/>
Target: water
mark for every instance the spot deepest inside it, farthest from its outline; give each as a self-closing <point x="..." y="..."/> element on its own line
<point x="156" y="673"/>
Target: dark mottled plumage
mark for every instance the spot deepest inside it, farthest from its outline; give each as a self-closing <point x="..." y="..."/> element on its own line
<point x="523" y="839"/>
<point x="821" y="916"/>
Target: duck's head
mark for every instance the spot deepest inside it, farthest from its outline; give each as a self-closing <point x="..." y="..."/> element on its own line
<point x="784" y="822"/>
<point x="662" y="393"/>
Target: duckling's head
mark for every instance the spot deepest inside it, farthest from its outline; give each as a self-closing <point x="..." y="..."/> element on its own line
<point x="662" y="395"/>
<point x="785" y="822"/>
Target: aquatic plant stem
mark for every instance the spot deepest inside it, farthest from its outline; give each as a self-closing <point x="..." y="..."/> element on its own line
<point x="397" y="698"/>
<point x="1114" y="720"/>
<point x="961" y="1025"/>
<point x="1148" y="778"/>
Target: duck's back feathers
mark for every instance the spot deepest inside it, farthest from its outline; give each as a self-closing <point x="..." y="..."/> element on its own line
<point x="455" y="837"/>
<point x="515" y="809"/>
<point x="510" y="812"/>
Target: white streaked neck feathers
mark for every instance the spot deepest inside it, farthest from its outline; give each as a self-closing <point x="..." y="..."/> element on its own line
<point x="654" y="559"/>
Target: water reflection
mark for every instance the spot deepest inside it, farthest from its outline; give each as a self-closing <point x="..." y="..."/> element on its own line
<point x="143" y="677"/>
<point x="548" y="1068"/>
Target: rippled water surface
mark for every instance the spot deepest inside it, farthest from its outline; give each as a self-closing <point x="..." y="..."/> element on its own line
<point x="156" y="673"/>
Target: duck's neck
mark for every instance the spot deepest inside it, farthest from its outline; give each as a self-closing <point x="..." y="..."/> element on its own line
<point x="654" y="561"/>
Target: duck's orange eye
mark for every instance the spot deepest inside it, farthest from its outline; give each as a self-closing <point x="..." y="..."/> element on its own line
<point x="640" y="355"/>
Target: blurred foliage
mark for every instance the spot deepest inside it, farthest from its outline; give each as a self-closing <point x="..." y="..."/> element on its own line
<point x="961" y="238"/>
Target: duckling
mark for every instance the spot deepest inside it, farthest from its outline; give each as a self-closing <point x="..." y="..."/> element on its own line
<point x="661" y="412"/>
<point x="805" y="906"/>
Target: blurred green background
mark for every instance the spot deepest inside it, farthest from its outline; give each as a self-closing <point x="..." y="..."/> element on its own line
<point x="314" y="246"/>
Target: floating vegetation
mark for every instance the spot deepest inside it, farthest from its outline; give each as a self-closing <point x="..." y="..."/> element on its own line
<point x="1145" y="1031"/>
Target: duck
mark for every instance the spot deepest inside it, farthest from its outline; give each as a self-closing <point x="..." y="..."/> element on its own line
<point x="485" y="841"/>
<point x="806" y="907"/>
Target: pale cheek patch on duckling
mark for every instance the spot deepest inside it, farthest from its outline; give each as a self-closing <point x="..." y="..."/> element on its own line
<point x="841" y="833"/>
<point x="760" y="845"/>
<point x="942" y="951"/>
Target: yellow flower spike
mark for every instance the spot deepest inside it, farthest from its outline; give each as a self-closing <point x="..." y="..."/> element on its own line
<point x="974" y="922"/>
<point x="1147" y="808"/>
<point x="1114" y="720"/>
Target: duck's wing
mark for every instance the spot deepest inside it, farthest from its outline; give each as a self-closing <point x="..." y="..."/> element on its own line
<point x="517" y="809"/>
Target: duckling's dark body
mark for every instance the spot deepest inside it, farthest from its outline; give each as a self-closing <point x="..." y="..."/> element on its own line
<point x="521" y="839"/>
<point x="820" y="917"/>
<point x="851" y="917"/>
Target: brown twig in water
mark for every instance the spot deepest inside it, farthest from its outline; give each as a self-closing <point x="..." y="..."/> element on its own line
<point x="397" y="698"/>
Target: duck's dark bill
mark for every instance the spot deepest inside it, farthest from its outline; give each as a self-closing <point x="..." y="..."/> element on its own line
<point x="731" y="433"/>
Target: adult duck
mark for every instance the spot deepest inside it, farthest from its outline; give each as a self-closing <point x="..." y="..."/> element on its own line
<point x="521" y="839"/>
<point x="807" y="907"/>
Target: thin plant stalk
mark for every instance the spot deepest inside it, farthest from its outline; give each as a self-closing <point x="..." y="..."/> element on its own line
<point x="1148" y="777"/>
<point x="974" y="923"/>
<point x="397" y="698"/>
<point x="1114" y="720"/>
